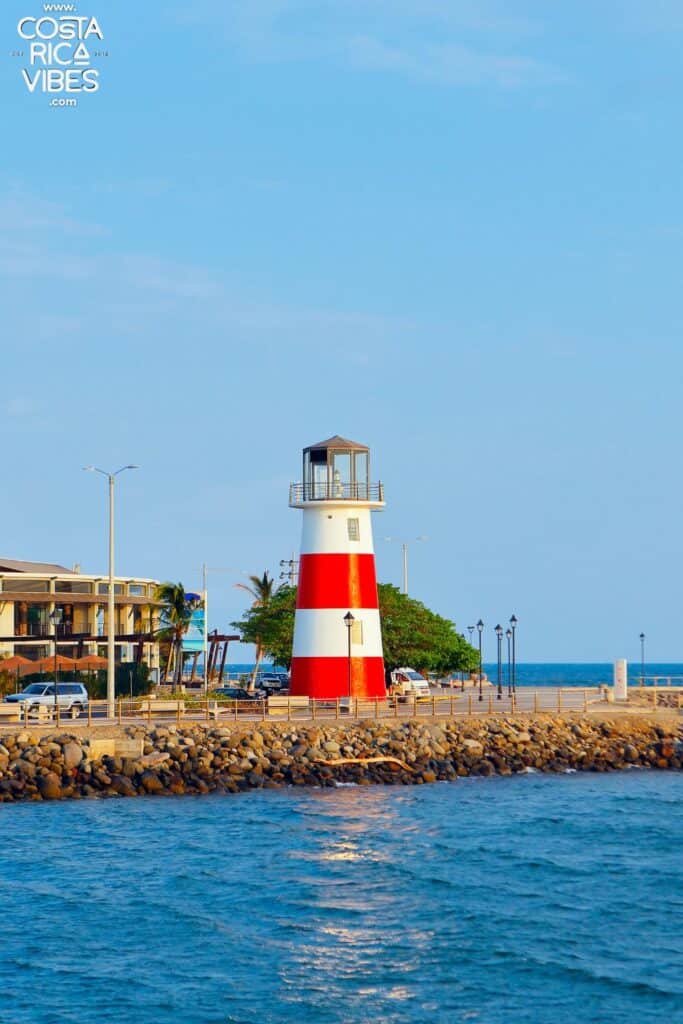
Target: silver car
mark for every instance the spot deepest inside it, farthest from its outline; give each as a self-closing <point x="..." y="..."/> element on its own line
<point x="72" y="698"/>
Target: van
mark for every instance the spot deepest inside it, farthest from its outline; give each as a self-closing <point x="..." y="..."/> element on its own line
<point x="407" y="684"/>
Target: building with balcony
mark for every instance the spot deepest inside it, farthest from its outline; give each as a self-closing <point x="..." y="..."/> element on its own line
<point x="30" y="592"/>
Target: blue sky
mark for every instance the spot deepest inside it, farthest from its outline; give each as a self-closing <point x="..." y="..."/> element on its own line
<point x="450" y="230"/>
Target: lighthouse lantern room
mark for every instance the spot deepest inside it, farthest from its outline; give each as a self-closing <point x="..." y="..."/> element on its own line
<point x="335" y="655"/>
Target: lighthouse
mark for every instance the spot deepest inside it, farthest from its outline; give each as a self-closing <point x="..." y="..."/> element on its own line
<point x="337" y="648"/>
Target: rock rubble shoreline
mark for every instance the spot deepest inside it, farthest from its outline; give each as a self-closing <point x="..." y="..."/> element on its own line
<point x="196" y="759"/>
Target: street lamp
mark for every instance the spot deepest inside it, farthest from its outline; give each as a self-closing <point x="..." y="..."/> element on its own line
<point x="56" y="620"/>
<point x="480" y="627"/>
<point x="348" y="622"/>
<point x="642" y="659"/>
<point x="111" y="626"/>
<point x="499" y="637"/>
<point x="508" y="634"/>
<point x="513" y="626"/>
<point x="404" y="546"/>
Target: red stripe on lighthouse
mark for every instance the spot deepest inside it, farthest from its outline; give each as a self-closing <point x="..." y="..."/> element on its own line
<point x="328" y="678"/>
<point x="337" y="581"/>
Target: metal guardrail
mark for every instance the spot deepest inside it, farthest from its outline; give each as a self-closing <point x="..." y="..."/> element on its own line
<point x="335" y="491"/>
<point x="659" y="681"/>
<point x="210" y="709"/>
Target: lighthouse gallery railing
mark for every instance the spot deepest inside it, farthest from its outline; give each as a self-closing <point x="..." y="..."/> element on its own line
<point x="335" y="491"/>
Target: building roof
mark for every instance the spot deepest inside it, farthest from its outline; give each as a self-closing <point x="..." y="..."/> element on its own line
<point x="339" y="442"/>
<point x="40" y="568"/>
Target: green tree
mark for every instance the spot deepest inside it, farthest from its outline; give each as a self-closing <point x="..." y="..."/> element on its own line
<point x="175" y="614"/>
<point x="271" y="625"/>
<point x="412" y="634"/>
<point x="261" y="589"/>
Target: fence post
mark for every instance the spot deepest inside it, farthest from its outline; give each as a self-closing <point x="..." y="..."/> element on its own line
<point x="120" y="710"/>
<point x="535" y="700"/>
<point x="57" y="710"/>
<point x="469" y="704"/>
<point x="433" y="706"/>
<point x="376" y="709"/>
<point x="89" y="712"/>
<point x="289" y="711"/>
<point x="313" y="708"/>
<point x="585" y="700"/>
<point x="451" y="704"/>
<point x="336" y="709"/>
<point x="559" y="700"/>
<point x="206" y="716"/>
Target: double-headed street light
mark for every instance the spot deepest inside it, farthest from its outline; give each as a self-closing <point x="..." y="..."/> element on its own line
<point x="111" y="625"/>
<point x="499" y="637"/>
<point x="508" y="634"/>
<point x="404" y="548"/>
<point x="480" y="628"/>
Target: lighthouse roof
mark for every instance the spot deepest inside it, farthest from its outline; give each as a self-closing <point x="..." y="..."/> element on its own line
<point x="339" y="442"/>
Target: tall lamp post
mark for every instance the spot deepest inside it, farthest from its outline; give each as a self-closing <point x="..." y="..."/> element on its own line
<point x="642" y="659"/>
<point x="348" y="622"/>
<point x="56" y="620"/>
<point x="499" y="638"/>
<point x="513" y="627"/>
<point x="111" y="625"/>
<point x="404" y="548"/>
<point x="480" y="628"/>
<point x="508" y="634"/>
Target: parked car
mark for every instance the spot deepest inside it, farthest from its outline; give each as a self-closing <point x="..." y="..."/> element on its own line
<point x="273" y="682"/>
<point x="234" y="693"/>
<point x="407" y="684"/>
<point x="72" y="697"/>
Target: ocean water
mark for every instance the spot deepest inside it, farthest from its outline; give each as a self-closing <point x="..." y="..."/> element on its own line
<point x="555" y="673"/>
<point x="525" y="900"/>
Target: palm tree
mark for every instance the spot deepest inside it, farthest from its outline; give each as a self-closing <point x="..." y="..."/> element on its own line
<point x="175" y="614"/>
<point x="261" y="589"/>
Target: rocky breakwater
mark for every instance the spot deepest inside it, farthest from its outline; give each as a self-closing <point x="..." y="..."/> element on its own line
<point x="202" y="759"/>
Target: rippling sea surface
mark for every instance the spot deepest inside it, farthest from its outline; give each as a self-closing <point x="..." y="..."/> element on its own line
<point x="525" y="899"/>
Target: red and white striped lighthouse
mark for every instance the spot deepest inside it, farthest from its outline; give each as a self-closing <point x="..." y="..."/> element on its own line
<point x="337" y="638"/>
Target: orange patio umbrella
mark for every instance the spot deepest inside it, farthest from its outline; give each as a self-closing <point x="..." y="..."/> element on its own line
<point x="91" y="661"/>
<point x="48" y="664"/>
<point x="14" y="663"/>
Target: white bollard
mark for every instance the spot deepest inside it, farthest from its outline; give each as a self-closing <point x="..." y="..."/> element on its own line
<point x="621" y="679"/>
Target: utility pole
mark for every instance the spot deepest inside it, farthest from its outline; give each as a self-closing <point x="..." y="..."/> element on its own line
<point x="290" y="570"/>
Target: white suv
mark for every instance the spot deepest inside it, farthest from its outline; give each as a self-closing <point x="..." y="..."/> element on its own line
<point x="72" y="698"/>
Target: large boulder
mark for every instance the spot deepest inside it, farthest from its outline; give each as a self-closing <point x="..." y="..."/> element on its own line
<point x="72" y="753"/>
<point x="49" y="786"/>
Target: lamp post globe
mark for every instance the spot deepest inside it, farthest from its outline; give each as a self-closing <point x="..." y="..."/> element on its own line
<point x="349" y="620"/>
<point x="56" y="620"/>
<point x="513" y="627"/>
<point x="499" y="638"/>
<point x="480" y="630"/>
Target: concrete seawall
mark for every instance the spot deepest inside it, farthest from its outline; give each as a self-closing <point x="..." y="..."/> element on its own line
<point x="170" y="759"/>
